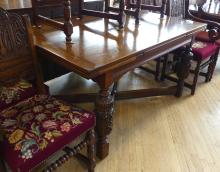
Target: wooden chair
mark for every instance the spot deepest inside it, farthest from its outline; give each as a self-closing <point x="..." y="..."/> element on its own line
<point x="109" y="12"/>
<point x="157" y="8"/>
<point x="66" y="26"/>
<point x="205" y="49"/>
<point x="34" y="125"/>
<point x="145" y="5"/>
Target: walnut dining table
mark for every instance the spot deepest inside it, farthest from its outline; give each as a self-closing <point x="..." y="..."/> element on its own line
<point x="104" y="54"/>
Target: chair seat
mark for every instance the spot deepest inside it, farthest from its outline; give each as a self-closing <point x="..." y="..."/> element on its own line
<point x="37" y="127"/>
<point x="13" y="94"/>
<point x="204" y="36"/>
<point x="204" y="50"/>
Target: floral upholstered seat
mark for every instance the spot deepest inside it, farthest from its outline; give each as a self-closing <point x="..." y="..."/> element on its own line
<point x="37" y="127"/>
<point x="204" y="50"/>
<point x="15" y="93"/>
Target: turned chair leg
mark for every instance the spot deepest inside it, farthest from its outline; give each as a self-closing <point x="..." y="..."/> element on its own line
<point x="195" y="79"/>
<point x="2" y="166"/>
<point x="163" y="73"/>
<point x="211" y="68"/>
<point x="80" y="8"/>
<point x="209" y="72"/>
<point x="158" y="61"/>
<point x="91" y="150"/>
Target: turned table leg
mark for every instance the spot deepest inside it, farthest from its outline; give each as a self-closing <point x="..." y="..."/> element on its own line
<point x="183" y="70"/>
<point x="104" y="107"/>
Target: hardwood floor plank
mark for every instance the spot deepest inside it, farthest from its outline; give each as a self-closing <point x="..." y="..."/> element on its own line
<point x="160" y="134"/>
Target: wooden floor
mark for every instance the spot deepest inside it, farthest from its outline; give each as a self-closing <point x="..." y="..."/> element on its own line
<point x="162" y="134"/>
<point x="15" y="4"/>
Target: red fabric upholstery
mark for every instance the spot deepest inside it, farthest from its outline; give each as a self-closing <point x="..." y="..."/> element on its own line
<point x="203" y="36"/>
<point x="13" y="94"/>
<point x="204" y="50"/>
<point x="37" y="127"/>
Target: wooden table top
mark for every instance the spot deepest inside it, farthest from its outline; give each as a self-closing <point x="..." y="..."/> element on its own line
<point x="98" y="46"/>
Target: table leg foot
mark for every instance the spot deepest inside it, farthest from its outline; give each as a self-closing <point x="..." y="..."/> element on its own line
<point x="102" y="148"/>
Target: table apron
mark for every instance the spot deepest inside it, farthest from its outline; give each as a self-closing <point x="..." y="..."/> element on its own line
<point x="148" y="55"/>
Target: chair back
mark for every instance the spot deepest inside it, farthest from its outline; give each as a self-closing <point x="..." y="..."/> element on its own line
<point x="151" y="5"/>
<point x="180" y="8"/>
<point x="155" y="6"/>
<point x="17" y="52"/>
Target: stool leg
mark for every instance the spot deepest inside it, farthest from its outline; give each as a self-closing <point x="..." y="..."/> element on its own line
<point x="91" y="150"/>
<point x="195" y="78"/>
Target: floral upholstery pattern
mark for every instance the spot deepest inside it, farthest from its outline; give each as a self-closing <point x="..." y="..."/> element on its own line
<point x="204" y="50"/>
<point x="15" y="93"/>
<point x="37" y="127"/>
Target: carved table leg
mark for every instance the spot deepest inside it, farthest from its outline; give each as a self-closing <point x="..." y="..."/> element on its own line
<point x="104" y="106"/>
<point x="183" y="69"/>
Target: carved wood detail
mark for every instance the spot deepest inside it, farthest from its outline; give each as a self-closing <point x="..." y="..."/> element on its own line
<point x="14" y="48"/>
<point x="13" y="35"/>
<point x="104" y="107"/>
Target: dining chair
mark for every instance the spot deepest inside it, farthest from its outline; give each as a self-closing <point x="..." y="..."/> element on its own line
<point x="66" y="26"/>
<point x="205" y="49"/>
<point x="150" y="5"/>
<point x="154" y="6"/>
<point x="34" y="125"/>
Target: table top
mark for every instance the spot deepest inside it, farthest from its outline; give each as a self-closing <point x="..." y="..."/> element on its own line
<point x="98" y="45"/>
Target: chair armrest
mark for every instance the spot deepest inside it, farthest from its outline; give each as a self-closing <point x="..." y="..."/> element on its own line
<point x="214" y="32"/>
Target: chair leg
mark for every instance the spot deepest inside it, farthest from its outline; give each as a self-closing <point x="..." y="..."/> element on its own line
<point x="2" y="166"/>
<point x="157" y="69"/>
<point x="163" y="73"/>
<point x="195" y="79"/>
<point x="209" y="72"/>
<point x="2" y="162"/>
<point x="211" y="68"/>
<point x="91" y="150"/>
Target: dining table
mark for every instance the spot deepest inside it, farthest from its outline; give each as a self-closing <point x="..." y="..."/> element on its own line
<point x="102" y="52"/>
